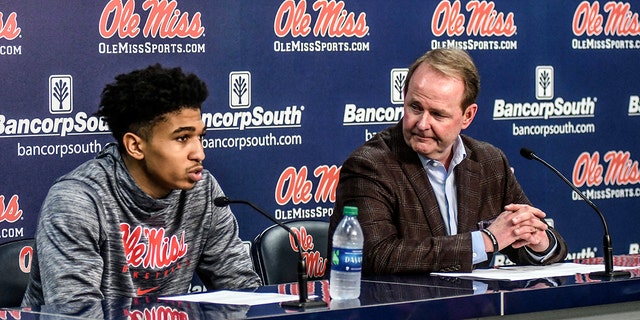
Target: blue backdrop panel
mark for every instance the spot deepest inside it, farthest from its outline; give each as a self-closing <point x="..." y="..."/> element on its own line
<point x="297" y="85"/>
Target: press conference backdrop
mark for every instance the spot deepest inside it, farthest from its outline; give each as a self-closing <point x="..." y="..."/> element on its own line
<point x="297" y="85"/>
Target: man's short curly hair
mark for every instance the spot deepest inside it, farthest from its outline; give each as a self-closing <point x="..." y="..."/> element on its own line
<point x="138" y="100"/>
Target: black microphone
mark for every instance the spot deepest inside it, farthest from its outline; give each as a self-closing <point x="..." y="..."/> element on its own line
<point x="304" y="301"/>
<point x="606" y="241"/>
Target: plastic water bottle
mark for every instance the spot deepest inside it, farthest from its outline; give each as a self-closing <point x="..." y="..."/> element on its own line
<point x="346" y="257"/>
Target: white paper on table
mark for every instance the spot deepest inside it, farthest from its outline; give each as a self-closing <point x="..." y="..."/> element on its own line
<point x="515" y="273"/>
<point x="235" y="297"/>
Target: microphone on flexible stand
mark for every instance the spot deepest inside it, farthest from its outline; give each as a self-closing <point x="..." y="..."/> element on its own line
<point x="606" y="242"/>
<point x="304" y="301"/>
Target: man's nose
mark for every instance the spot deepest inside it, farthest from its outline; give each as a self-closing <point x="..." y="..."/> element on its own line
<point x="198" y="154"/>
<point x="424" y="122"/>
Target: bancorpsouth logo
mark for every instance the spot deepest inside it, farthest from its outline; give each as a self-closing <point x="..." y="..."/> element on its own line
<point x="9" y="28"/>
<point x="332" y="20"/>
<point x="240" y="90"/>
<point x="355" y="115"/>
<point x="482" y="20"/>
<point x="398" y="77"/>
<point x="243" y="116"/>
<point x="619" y="22"/>
<point x="544" y="82"/>
<point x="546" y="107"/>
<point x="60" y="94"/>
<point x="634" y="106"/>
<point x="60" y="102"/>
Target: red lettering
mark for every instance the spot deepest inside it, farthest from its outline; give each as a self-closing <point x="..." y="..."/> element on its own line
<point x="334" y="21"/>
<point x="167" y="22"/>
<point x="329" y="177"/>
<point x="621" y="21"/>
<point x="24" y="259"/>
<point x="125" y="22"/>
<point x="164" y="20"/>
<point x="316" y="264"/>
<point x="587" y="170"/>
<point x="306" y="240"/>
<point x="160" y="312"/>
<point x="163" y="251"/>
<point x="9" y="29"/>
<point x="158" y="252"/>
<point x="324" y="287"/>
<point x="486" y="21"/>
<point x="11" y="212"/>
<point x="447" y="18"/>
<point x="133" y="250"/>
<point x="15" y="314"/>
<point x="587" y="19"/>
<point x="297" y="21"/>
<point x="622" y="170"/>
<point x="293" y="186"/>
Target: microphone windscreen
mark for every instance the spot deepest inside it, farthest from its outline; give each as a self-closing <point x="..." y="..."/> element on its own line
<point x="221" y="201"/>
<point x="527" y="153"/>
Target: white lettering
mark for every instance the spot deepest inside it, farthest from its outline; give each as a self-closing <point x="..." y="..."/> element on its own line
<point x="371" y="115"/>
<point x="559" y="108"/>
<point x="258" y="118"/>
<point x="634" y="105"/>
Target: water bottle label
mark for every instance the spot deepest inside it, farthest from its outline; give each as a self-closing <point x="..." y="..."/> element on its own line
<point x="349" y="260"/>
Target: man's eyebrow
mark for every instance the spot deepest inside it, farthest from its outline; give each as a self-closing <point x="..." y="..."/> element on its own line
<point x="179" y="130"/>
<point x="184" y="129"/>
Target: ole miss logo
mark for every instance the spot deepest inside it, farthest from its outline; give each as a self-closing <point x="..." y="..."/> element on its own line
<point x="316" y="264"/>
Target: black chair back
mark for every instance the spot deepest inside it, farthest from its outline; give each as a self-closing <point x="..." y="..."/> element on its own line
<point x="275" y="255"/>
<point x="15" y="264"/>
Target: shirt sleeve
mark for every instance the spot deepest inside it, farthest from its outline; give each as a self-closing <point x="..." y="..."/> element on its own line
<point x="479" y="251"/>
<point x="67" y="244"/>
<point x="541" y="257"/>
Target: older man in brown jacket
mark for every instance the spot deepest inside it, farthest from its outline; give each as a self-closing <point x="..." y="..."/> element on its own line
<point x="433" y="199"/>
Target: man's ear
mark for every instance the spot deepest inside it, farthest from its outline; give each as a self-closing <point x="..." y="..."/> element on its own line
<point x="133" y="145"/>
<point x="468" y="115"/>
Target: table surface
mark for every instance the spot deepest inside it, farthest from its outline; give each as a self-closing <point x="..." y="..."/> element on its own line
<point x="382" y="297"/>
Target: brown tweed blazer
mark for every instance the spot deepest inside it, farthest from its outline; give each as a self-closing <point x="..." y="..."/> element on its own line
<point x="399" y="214"/>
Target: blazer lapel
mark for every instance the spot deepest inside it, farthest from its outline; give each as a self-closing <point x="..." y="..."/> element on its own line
<point x="468" y="178"/>
<point x="419" y="181"/>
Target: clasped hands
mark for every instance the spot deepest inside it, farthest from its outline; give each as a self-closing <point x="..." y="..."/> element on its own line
<point x="518" y="226"/>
